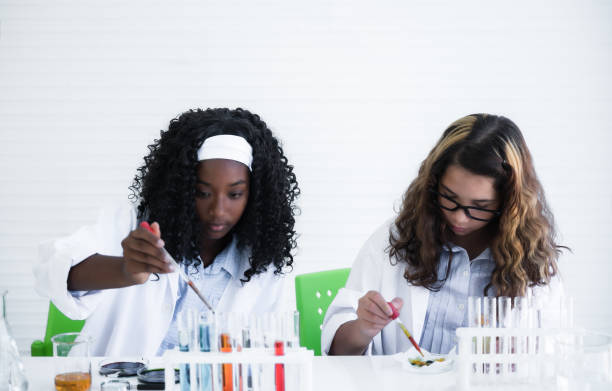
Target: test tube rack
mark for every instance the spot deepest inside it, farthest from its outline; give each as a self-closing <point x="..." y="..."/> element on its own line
<point x="299" y="359"/>
<point x="512" y="358"/>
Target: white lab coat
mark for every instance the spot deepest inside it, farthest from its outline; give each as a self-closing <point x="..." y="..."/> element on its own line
<point x="133" y="321"/>
<point x="372" y="270"/>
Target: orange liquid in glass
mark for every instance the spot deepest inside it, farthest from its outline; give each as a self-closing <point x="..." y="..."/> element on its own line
<point x="73" y="381"/>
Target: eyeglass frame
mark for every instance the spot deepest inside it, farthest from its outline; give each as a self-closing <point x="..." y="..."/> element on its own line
<point x="466" y="209"/>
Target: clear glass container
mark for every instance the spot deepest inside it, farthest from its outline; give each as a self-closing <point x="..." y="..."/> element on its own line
<point x="72" y="361"/>
<point x="12" y="374"/>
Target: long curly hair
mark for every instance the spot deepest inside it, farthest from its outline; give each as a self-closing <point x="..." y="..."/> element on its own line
<point x="523" y="243"/>
<point x="165" y="187"/>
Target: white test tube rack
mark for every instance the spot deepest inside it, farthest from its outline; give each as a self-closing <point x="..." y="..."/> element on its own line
<point x="517" y="357"/>
<point x="300" y="358"/>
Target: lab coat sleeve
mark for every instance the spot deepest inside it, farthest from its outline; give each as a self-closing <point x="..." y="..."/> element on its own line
<point x="366" y="275"/>
<point x="56" y="257"/>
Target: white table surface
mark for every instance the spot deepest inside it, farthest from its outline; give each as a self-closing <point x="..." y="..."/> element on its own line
<point x="375" y="373"/>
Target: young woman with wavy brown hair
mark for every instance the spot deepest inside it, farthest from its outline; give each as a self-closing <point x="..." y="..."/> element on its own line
<point x="474" y="222"/>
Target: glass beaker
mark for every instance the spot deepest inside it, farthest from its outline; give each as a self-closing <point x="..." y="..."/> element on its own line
<point x="585" y="360"/>
<point x="72" y="363"/>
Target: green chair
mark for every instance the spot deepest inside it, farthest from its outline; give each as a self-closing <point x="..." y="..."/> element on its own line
<point x="314" y="292"/>
<point x="57" y="323"/>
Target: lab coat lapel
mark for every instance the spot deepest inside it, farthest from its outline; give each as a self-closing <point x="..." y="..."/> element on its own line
<point x="232" y="296"/>
<point x="419" y="297"/>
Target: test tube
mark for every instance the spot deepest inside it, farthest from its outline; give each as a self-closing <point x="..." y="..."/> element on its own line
<point x="256" y="322"/>
<point x="292" y="343"/>
<point x="215" y="346"/>
<point x="206" y="336"/>
<point x="246" y="344"/>
<point x="184" y="326"/>
<point x="246" y="331"/>
<point x="521" y="321"/>
<point x="238" y="324"/>
<point x="475" y="320"/>
<point x="269" y="331"/>
<point x="504" y="305"/>
<point x="489" y="319"/>
<point x="540" y="342"/>
<point x="225" y="346"/>
<point x="475" y="311"/>
<point x="256" y="332"/>
<point x="279" y="368"/>
<point x="536" y="310"/>
<point x="521" y="315"/>
<point x="292" y="329"/>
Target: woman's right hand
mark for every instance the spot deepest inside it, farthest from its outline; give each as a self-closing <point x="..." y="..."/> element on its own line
<point x="373" y="313"/>
<point x="143" y="254"/>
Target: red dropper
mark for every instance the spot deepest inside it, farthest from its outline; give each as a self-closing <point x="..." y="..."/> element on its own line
<point x="395" y="317"/>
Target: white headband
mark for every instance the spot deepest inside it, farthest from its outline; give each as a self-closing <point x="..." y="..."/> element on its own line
<point x="227" y="146"/>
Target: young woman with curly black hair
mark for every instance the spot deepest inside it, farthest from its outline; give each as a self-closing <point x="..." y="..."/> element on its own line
<point x="220" y="194"/>
<point x="474" y="222"/>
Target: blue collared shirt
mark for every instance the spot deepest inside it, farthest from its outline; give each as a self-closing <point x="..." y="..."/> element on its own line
<point x="447" y="308"/>
<point x="211" y="282"/>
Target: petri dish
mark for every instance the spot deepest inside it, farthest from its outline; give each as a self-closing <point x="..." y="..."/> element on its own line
<point x="120" y="368"/>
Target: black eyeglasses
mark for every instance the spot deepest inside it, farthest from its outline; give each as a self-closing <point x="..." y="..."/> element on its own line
<point x="473" y="212"/>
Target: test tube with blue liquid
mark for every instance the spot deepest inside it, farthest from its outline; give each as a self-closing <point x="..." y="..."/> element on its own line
<point x="185" y="324"/>
<point x="206" y="338"/>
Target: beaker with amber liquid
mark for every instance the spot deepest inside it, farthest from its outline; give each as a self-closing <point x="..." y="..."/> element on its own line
<point x="72" y="362"/>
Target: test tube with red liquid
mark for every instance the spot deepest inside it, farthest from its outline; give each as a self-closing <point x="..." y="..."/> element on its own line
<point x="279" y="369"/>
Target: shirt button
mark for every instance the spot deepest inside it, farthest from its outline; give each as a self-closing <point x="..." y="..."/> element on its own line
<point x="466" y="273"/>
<point x="461" y="307"/>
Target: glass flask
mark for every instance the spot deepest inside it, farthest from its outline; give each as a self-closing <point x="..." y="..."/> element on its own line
<point x="12" y="374"/>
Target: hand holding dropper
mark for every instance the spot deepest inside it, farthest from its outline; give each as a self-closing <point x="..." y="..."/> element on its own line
<point x="182" y="273"/>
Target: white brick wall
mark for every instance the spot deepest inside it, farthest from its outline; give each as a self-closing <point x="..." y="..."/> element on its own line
<point x="358" y="93"/>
